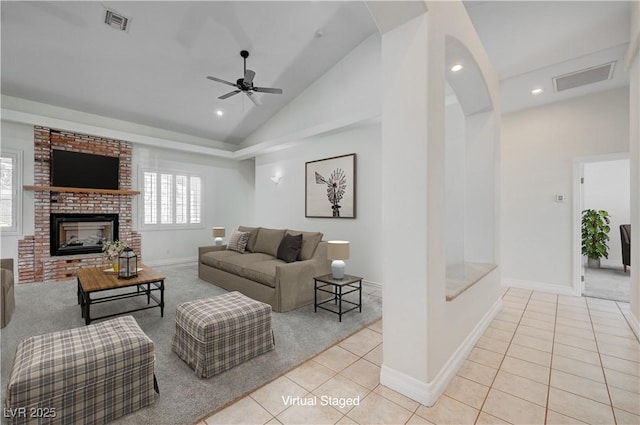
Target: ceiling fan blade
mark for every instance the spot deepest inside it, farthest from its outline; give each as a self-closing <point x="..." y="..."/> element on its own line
<point x="253" y="98"/>
<point x="221" y="81"/>
<point x="232" y="93"/>
<point x="248" y="77"/>
<point x="267" y="90"/>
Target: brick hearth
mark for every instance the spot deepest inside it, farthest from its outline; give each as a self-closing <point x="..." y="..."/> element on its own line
<point x="35" y="264"/>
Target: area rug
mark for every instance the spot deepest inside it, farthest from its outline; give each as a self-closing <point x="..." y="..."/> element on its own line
<point x="184" y="398"/>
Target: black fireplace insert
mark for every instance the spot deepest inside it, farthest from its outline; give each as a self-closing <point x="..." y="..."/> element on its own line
<point x="73" y="234"/>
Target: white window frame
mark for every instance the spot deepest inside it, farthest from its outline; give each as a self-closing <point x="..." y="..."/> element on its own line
<point x="166" y="226"/>
<point x="16" y="210"/>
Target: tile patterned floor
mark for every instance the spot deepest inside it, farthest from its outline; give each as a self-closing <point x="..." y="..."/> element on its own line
<point x="545" y="359"/>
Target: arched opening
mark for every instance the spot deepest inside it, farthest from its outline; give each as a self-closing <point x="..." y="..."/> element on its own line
<point x="469" y="171"/>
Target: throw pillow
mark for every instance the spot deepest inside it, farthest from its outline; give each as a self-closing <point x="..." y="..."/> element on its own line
<point x="310" y="241"/>
<point x="252" y="239"/>
<point x="238" y="241"/>
<point x="289" y="248"/>
<point x="268" y="241"/>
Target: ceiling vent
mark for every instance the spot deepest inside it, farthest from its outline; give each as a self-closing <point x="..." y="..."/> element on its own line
<point x="116" y="21"/>
<point x="583" y="77"/>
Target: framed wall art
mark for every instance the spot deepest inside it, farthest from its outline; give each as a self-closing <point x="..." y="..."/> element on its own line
<point x="330" y="187"/>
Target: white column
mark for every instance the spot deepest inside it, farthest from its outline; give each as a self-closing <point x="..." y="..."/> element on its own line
<point x="404" y="202"/>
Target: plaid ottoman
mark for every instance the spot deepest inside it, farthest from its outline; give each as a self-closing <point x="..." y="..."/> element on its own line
<point x="89" y="375"/>
<point x="216" y="334"/>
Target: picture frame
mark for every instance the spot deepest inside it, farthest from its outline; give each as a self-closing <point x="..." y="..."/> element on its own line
<point x="330" y="187"/>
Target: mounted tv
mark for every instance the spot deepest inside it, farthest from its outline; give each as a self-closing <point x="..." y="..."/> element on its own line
<point x="75" y="169"/>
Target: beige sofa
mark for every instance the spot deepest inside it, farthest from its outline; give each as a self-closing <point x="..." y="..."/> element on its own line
<point x="260" y="275"/>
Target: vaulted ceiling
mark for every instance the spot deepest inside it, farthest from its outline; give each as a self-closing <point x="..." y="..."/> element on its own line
<point x="154" y="73"/>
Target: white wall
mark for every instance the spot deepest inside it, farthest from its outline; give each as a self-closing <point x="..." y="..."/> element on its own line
<point x="282" y="205"/>
<point x="426" y="337"/>
<point x="607" y="186"/>
<point x="19" y="137"/>
<point x="480" y="187"/>
<point x="228" y="199"/>
<point x="455" y="168"/>
<point x="349" y="92"/>
<point x="633" y="63"/>
<point x="538" y="146"/>
<point x="336" y="115"/>
<point x="404" y="207"/>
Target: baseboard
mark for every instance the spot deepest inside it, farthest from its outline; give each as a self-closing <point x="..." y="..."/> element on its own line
<point x="172" y="261"/>
<point x="427" y="393"/>
<point x="406" y="385"/>
<point x="371" y="285"/>
<point x="540" y="286"/>
<point x="634" y="323"/>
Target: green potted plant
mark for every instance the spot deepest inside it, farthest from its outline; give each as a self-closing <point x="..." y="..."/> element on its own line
<point x="595" y="234"/>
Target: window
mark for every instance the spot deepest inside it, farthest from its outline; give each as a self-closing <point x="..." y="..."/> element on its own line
<point x="10" y="195"/>
<point x="171" y="199"/>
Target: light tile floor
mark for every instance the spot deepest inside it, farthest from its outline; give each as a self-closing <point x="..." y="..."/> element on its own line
<point x="545" y="359"/>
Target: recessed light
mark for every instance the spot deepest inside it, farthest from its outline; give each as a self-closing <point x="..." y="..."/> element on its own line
<point x="219" y="112"/>
<point x="456" y="68"/>
<point x="537" y="91"/>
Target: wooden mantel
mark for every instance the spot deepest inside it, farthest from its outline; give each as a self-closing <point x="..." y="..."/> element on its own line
<point x="80" y="190"/>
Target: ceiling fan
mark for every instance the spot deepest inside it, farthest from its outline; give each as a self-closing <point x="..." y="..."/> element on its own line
<point x="245" y="85"/>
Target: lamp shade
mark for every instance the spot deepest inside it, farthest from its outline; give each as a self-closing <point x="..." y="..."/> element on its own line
<point x="338" y="250"/>
<point x="218" y="232"/>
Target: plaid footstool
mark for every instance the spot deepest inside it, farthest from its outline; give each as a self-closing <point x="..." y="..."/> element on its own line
<point x="216" y="334"/>
<point x="88" y="375"/>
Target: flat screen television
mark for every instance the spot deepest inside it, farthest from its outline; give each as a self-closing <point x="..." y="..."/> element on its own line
<point x="75" y="169"/>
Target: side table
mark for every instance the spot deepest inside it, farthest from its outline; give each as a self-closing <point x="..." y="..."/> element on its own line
<point x="337" y="289"/>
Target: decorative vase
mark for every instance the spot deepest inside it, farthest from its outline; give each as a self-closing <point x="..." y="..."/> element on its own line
<point x="115" y="265"/>
<point x="593" y="263"/>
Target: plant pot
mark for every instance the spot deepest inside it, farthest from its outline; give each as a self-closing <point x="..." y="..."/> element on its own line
<point x="593" y="263"/>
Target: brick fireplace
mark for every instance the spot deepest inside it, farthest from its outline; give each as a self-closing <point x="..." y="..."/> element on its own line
<point x="35" y="262"/>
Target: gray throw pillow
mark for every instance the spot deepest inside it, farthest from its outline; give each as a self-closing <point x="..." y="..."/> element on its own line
<point x="289" y="248"/>
<point x="238" y="241"/>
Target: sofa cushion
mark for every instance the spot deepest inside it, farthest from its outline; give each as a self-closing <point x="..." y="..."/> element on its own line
<point x="236" y="264"/>
<point x="238" y="241"/>
<point x="310" y="241"/>
<point x="289" y="248"/>
<point x="268" y="241"/>
<point x="263" y="272"/>
<point x="251" y="245"/>
<point x="212" y="258"/>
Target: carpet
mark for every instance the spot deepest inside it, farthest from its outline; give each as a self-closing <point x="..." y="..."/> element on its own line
<point x="610" y="283"/>
<point x="184" y="398"/>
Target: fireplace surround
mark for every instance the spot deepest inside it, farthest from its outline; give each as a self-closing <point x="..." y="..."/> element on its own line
<point x="72" y="234"/>
<point x="35" y="261"/>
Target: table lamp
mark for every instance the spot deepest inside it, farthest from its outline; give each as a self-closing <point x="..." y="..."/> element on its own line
<point x="218" y="234"/>
<point x="338" y="251"/>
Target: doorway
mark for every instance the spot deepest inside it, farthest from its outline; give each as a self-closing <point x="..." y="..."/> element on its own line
<point x="605" y="185"/>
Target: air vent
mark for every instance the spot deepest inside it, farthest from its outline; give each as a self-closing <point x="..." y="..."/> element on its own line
<point x="116" y="21"/>
<point x="583" y="77"/>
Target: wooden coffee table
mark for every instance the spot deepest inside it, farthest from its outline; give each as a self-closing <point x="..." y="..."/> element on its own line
<point x="92" y="280"/>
